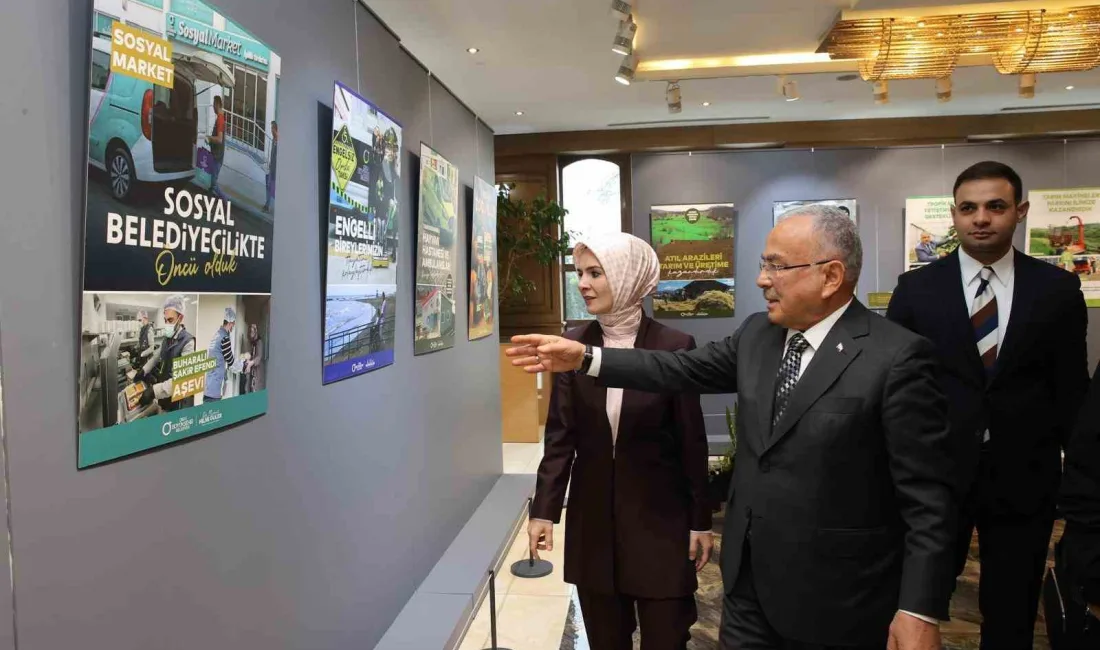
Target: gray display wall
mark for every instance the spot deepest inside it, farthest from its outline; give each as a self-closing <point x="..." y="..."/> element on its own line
<point x="308" y="527"/>
<point x="880" y="179"/>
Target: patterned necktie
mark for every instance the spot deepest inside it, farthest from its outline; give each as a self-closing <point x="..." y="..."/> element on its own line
<point x="983" y="316"/>
<point x="788" y="375"/>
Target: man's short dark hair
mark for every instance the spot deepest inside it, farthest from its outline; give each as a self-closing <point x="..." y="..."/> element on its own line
<point x="992" y="169"/>
<point x="217" y="100"/>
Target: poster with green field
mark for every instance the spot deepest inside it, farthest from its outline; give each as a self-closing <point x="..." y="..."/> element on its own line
<point x="1063" y="228"/>
<point x="436" y="253"/>
<point x="694" y="244"/>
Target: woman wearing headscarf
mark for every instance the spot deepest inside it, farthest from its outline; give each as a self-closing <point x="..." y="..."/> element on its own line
<point x="638" y="523"/>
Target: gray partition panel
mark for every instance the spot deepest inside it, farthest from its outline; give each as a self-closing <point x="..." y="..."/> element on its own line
<point x="308" y="527"/>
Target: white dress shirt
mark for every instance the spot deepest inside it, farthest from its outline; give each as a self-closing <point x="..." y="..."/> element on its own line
<point x="1003" y="284"/>
<point x="815" y="337"/>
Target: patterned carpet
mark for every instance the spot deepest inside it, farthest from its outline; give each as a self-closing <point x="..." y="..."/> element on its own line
<point x="962" y="633"/>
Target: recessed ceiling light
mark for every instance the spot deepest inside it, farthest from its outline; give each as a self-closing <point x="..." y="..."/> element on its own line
<point x="1069" y="87"/>
<point x="472" y="50"/>
<point x="519" y="113"/>
<point x="979" y="32"/>
<point x="939" y="34"/>
<point x="1019" y="29"/>
<point x="920" y="24"/>
<point x="705" y="104"/>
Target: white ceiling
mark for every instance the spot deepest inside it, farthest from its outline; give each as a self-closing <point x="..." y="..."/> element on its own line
<point x="552" y="59"/>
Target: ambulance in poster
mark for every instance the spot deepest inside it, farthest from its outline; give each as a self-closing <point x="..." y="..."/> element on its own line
<point x="182" y="153"/>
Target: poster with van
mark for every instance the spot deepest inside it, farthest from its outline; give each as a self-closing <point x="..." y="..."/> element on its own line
<point x="694" y="245"/>
<point x="1063" y="228"/>
<point x="483" y="260"/>
<point x="182" y="154"/>
<point x="361" y="265"/>
<point x="436" y="261"/>
<point x="929" y="230"/>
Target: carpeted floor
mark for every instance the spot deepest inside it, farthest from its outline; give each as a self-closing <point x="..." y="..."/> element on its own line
<point x="962" y="633"/>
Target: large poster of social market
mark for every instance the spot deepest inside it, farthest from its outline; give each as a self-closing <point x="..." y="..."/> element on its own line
<point x="361" y="265"/>
<point x="847" y="206"/>
<point x="929" y="230"/>
<point x="694" y="244"/>
<point x="436" y="262"/>
<point x="1063" y="228"/>
<point x="483" y="260"/>
<point x="182" y="154"/>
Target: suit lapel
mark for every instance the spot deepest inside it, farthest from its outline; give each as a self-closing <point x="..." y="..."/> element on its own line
<point x="1023" y="301"/>
<point x="958" y="317"/>
<point x="774" y="344"/>
<point x="837" y="351"/>
<point x="593" y="336"/>
<point x="628" y="410"/>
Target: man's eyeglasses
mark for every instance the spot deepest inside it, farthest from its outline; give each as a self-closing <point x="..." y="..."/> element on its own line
<point x="771" y="269"/>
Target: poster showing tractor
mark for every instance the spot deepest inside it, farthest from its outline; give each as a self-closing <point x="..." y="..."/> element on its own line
<point x="1063" y="228"/>
<point x="929" y="230"/>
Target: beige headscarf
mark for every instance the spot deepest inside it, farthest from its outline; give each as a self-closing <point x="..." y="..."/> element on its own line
<point x="632" y="270"/>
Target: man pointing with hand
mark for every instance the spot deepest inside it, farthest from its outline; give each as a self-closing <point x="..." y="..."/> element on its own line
<point x="842" y="511"/>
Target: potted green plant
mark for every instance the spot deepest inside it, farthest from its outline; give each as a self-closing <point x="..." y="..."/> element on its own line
<point x="534" y="230"/>
<point x="722" y="472"/>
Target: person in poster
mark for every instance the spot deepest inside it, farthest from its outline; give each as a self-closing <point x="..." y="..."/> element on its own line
<point x="436" y="260"/>
<point x="694" y="244"/>
<point x="175" y="227"/>
<point x="361" y="269"/>
<point x="847" y="206"/>
<point x="929" y="231"/>
<point x="482" y="260"/>
<point x="1063" y="228"/>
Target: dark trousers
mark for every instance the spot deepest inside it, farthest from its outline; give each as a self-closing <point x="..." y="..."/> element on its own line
<point x="1013" y="552"/>
<point x="744" y="624"/>
<point x="610" y="622"/>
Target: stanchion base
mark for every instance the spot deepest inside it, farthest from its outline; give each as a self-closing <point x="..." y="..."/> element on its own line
<point x="527" y="569"/>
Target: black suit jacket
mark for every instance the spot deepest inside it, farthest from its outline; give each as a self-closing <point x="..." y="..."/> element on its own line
<point x="1080" y="498"/>
<point x="849" y="499"/>
<point x="631" y="508"/>
<point x="1036" y="389"/>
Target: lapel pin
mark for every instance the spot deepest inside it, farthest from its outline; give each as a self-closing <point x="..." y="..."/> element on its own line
<point x="840" y="347"/>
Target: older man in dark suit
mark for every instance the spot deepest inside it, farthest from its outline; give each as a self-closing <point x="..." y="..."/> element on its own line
<point x="842" y="512"/>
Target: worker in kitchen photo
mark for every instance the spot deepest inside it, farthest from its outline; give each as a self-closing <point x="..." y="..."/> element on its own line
<point x="156" y="374"/>
<point x="221" y="351"/>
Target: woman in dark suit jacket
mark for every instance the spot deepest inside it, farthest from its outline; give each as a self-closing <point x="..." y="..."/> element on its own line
<point x="638" y="525"/>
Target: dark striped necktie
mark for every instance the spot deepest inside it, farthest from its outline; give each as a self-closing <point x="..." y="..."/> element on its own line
<point x="983" y="316"/>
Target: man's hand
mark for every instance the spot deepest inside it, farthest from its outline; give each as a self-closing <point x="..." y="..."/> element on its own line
<point x="700" y="548"/>
<point x="540" y="353"/>
<point x="541" y="536"/>
<point x="908" y="632"/>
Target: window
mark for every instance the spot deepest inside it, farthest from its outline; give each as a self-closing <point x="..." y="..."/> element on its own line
<point x="592" y="192"/>
<point x="101" y="25"/>
<point x="101" y="69"/>
<point x="246" y="117"/>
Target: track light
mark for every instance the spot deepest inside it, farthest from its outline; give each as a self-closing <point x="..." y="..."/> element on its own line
<point x="881" y="90"/>
<point x="672" y="96"/>
<point x="624" y="38"/>
<point x="1027" y="85"/>
<point x="790" y="90"/>
<point x="625" y="75"/>
<point x="622" y="8"/>
<point x="943" y="89"/>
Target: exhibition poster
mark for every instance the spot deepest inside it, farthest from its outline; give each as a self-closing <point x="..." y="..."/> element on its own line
<point x="929" y="230"/>
<point x="361" y="265"/>
<point x="1063" y="228"/>
<point x="436" y="262"/>
<point x="483" y="260"/>
<point x="179" y="219"/>
<point x="779" y="208"/>
<point x="694" y="244"/>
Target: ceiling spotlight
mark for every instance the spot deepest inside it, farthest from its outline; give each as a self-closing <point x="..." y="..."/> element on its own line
<point x="920" y="24"/>
<point x="472" y="50"/>
<point x="881" y="90"/>
<point x="672" y="97"/>
<point x="789" y="89"/>
<point x="943" y="89"/>
<point x="625" y="75"/>
<point x="624" y="38"/>
<point x="519" y="113"/>
<point x="1069" y="87"/>
<point x="622" y="8"/>
<point x="1027" y="85"/>
<point x="706" y="104"/>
